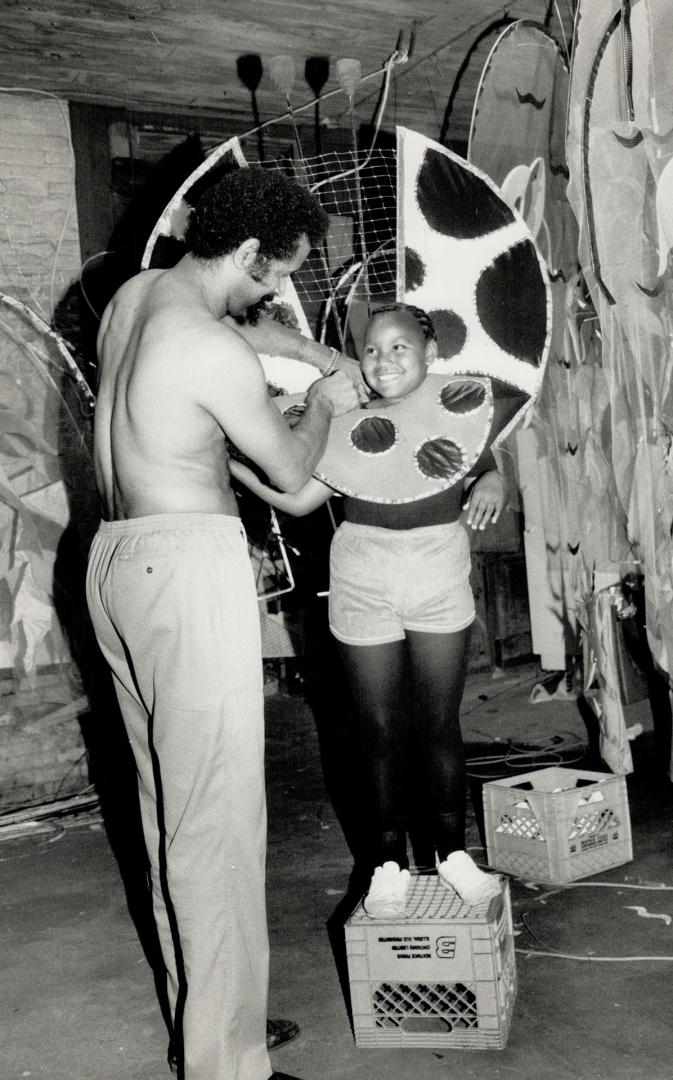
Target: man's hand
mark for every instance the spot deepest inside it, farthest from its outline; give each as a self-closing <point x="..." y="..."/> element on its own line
<point x="352" y="369"/>
<point x="486" y="500"/>
<point x="337" y="392"/>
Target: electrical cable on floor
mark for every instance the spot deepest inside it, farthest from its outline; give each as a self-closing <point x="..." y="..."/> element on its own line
<point x="563" y="748"/>
<point x="547" y="950"/>
<point x="537" y="752"/>
<point x="599" y="885"/>
<point x="591" y="959"/>
<point x="541" y="743"/>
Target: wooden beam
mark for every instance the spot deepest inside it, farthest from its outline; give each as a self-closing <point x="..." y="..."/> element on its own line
<point x="91" y="146"/>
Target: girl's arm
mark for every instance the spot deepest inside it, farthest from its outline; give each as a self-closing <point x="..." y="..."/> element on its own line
<point x="312" y="495"/>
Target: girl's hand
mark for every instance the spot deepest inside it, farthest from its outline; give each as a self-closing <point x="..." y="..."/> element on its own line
<point x="486" y="500"/>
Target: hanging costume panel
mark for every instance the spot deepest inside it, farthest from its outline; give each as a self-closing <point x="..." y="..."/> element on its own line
<point x="517" y="137"/>
<point x="49" y="507"/>
<point x="620" y="130"/>
<point x="620" y="144"/>
<point x="573" y="520"/>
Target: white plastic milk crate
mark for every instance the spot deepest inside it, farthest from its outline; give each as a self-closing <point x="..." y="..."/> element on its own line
<point x="558" y="824"/>
<point x="444" y="975"/>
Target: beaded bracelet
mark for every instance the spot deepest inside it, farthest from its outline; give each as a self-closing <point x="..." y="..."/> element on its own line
<point x="335" y="356"/>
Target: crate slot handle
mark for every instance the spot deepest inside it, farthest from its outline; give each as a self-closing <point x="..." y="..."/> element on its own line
<point x="595" y="797"/>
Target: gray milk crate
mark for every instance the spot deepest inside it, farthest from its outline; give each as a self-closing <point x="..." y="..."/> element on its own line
<point x="444" y="975"/>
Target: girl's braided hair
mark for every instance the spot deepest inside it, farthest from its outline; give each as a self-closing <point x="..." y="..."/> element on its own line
<point x="422" y="318"/>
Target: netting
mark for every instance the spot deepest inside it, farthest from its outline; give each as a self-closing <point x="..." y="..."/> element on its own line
<point x="358" y="191"/>
<point x="356" y="264"/>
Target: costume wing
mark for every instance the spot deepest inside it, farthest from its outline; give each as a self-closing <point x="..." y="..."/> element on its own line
<point x="48" y="503"/>
<point x="470" y="260"/>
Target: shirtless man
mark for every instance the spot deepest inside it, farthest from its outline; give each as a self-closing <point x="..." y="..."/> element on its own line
<point x="172" y="598"/>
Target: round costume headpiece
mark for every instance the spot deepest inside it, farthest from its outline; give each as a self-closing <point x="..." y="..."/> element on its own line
<point x="472" y="264"/>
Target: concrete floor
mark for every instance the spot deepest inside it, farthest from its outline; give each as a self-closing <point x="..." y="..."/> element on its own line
<point x="78" y="999"/>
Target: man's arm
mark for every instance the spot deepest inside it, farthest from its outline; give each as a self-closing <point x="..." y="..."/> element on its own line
<point x="272" y="338"/>
<point x="233" y="389"/>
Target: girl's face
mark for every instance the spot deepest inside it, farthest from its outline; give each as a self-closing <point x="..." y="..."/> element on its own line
<point x="395" y="354"/>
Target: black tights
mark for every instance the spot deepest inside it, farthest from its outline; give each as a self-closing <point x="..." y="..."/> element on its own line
<point x="403" y="689"/>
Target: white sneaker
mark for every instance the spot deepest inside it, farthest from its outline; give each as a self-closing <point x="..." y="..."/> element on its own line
<point x="460" y="873"/>
<point x="387" y="894"/>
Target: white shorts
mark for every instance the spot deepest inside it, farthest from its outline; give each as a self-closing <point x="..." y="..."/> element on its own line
<point x="384" y="582"/>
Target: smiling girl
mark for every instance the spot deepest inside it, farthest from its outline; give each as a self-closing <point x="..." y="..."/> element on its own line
<point x="401" y="609"/>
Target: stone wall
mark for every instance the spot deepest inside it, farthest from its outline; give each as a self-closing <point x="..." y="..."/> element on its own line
<point x="41" y="701"/>
<point x="39" y="240"/>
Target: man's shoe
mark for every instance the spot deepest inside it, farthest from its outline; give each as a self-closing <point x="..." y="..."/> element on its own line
<point x="282" y="1076"/>
<point x="277" y="1033"/>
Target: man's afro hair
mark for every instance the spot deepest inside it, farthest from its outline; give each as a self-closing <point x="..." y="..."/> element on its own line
<point x="255" y="202"/>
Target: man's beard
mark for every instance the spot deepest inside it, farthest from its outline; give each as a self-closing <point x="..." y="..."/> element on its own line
<point x="252" y="313"/>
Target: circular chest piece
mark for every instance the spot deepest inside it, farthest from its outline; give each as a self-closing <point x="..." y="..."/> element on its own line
<point x="416" y="447"/>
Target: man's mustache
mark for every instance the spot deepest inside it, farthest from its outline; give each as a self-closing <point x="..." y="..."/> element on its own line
<point x="252" y="314"/>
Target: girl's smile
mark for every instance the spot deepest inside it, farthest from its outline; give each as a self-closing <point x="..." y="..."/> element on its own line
<point x="395" y="355"/>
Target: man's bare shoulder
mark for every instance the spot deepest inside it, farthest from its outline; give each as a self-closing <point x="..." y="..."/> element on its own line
<point x="159" y="328"/>
<point x="227" y="365"/>
<point x="216" y="332"/>
<point x="157" y="305"/>
<point x="131" y="302"/>
<point x="136" y="290"/>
